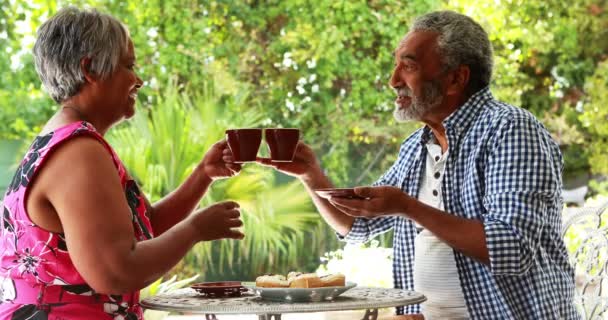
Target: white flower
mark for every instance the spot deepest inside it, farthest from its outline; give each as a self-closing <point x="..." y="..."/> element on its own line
<point x="152" y="33"/>
<point x="287" y="62"/>
<point x="315" y="88"/>
<point x="290" y="105"/>
<point x="300" y="90"/>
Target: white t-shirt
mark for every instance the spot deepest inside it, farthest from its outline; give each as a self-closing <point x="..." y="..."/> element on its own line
<point x="435" y="272"/>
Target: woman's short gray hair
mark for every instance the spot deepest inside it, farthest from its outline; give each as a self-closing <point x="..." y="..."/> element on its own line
<point x="461" y="41"/>
<point x="68" y="37"/>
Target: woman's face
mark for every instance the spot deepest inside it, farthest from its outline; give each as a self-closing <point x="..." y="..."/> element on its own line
<point x="119" y="90"/>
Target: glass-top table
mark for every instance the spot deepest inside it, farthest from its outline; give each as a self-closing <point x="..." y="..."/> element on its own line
<point x="358" y="298"/>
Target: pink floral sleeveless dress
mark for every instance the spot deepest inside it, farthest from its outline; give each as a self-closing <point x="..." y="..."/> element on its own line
<point x="37" y="277"/>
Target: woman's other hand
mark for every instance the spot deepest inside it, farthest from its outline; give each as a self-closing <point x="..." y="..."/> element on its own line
<point x="218" y="162"/>
<point x="217" y="222"/>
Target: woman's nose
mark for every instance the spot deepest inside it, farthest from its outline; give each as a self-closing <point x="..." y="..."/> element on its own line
<point x="139" y="83"/>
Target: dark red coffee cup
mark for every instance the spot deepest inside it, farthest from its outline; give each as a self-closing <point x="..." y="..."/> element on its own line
<point x="244" y="143"/>
<point x="282" y="143"/>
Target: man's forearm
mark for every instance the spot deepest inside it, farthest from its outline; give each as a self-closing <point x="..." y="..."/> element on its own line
<point x="465" y="235"/>
<point x="339" y="221"/>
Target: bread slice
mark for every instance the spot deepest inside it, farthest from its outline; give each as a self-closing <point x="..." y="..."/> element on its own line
<point x="333" y="280"/>
<point x="271" y="281"/>
<point x="293" y="274"/>
<point x="305" y="280"/>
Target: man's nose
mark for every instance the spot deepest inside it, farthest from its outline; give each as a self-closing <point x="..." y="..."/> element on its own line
<point x="395" y="81"/>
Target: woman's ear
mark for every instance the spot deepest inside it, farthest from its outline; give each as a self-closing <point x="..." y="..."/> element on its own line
<point x="459" y="80"/>
<point x="85" y="67"/>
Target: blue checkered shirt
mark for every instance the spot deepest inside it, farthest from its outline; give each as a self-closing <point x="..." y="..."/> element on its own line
<point x="504" y="169"/>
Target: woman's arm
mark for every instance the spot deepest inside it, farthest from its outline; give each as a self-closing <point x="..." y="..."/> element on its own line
<point x="81" y="183"/>
<point x="174" y="207"/>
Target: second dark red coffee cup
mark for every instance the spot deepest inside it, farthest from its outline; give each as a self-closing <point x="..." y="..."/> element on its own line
<point x="244" y="143"/>
<point x="282" y="143"/>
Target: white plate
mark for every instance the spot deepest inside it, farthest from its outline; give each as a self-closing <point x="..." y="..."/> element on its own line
<point x="299" y="294"/>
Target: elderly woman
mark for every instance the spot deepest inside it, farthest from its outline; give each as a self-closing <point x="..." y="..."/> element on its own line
<point x="78" y="237"/>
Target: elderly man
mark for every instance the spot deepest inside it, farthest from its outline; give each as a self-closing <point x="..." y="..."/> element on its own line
<point x="474" y="197"/>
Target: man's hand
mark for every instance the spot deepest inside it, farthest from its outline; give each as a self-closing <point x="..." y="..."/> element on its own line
<point x="378" y="201"/>
<point x="304" y="162"/>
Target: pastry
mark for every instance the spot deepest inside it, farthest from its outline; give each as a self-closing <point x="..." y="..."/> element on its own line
<point x="333" y="280"/>
<point x="271" y="281"/>
<point x="305" y="280"/>
<point x="293" y="274"/>
<point x="300" y="280"/>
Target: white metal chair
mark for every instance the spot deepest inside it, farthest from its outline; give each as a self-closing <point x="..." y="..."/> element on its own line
<point x="585" y="231"/>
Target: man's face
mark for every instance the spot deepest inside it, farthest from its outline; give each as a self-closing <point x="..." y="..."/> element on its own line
<point x="417" y="77"/>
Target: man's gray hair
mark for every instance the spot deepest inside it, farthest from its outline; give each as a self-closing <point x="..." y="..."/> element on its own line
<point x="461" y="41"/>
<point x="68" y="37"/>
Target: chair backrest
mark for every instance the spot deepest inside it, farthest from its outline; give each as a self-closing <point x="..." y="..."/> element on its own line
<point x="585" y="231"/>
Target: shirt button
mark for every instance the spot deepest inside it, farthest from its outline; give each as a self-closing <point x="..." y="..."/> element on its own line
<point x="437" y="175"/>
<point x="437" y="158"/>
<point x="435" y="193"/>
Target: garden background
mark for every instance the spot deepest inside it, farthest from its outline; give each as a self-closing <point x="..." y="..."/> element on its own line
<point x="323" y="67"/>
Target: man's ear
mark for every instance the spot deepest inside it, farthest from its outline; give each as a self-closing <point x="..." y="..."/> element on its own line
<point x="459" y="79"/>
<point x="85" y="67"/>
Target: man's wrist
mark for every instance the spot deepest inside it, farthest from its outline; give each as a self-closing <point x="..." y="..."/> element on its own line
<point x="315" y="179"/>
<point x="405" y="206"/>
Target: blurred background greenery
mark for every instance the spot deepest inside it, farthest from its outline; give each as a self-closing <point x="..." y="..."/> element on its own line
<point x="323" y="67"/>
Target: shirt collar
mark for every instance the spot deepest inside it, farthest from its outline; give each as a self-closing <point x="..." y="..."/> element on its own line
<point x="463" y="116"/>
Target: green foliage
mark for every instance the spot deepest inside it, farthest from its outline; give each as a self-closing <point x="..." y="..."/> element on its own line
<point x="164" y="142"/>
<point x="544" y="52"/>
<point x="323" y="66"/>
<point x="594" y="118"/>
<point x="23" y="106"/>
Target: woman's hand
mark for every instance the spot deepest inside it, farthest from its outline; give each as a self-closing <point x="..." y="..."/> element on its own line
<point x="218" y="162"/>
<point x="217" y="222"/>
<point x="304" y="162"/>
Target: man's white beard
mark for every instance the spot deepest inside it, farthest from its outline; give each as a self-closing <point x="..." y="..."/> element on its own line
<point x="431" y="97"/>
